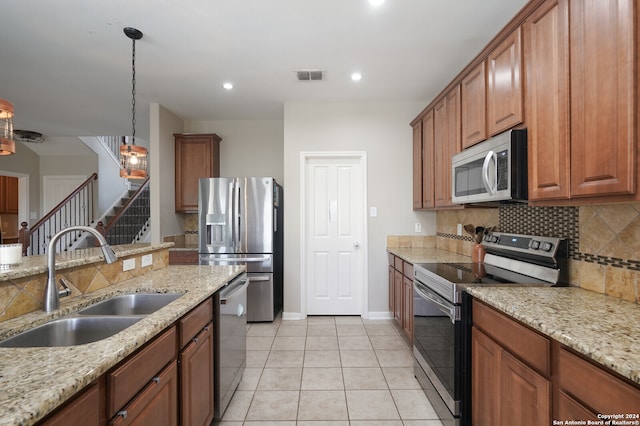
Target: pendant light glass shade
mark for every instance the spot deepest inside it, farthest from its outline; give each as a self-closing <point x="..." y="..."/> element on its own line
<point x="7" y="144"/>
<point x="133" y="159"/>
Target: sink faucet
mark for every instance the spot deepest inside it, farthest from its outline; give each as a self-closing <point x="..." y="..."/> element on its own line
<point x="51" y="293"/>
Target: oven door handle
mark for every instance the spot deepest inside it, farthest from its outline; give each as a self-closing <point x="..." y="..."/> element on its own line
<point x="452" y="311"/>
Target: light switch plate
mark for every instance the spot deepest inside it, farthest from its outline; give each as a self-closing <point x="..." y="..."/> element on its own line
<point x="128" y="264"/>
<point x="147" y="260"/>
<point x="418" y="227"/>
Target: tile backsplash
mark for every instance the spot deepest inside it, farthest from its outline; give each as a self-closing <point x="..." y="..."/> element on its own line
<point x="603" y="241"/>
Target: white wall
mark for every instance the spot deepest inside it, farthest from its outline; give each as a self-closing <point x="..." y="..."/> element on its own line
<point x="383" y="131"/>
<point x="164" y="220"/>
<point x="248" y="147"/>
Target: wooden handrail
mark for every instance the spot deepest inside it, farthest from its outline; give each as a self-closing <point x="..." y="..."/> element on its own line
<point x="63" y="202"/>
<point x="125" y="207"/>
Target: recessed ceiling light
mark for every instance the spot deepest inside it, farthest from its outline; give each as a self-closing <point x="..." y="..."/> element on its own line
<point x="376" y="2"/>
<point x="356" y="76"/>
<point x="227" y="86"/>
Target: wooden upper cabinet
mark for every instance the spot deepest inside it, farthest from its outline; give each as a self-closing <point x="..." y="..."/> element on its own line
<point x="546" y="57"/>
<point x="196" y="156"/>
<point x="427" y="160"/>
<point x="603" y="93"/>
<point x="417" y="166"/>
<point x="504" y="84"/>
<point x="453" y="142"/>
<point x="474" y="94"/>
<point x="440" y="152"/>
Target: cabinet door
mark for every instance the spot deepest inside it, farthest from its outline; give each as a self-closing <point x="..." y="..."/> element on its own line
<point x="196" y="156"/>
<point x="156" y="405"/>
<point x="525" y="396"/>
<point x="397" y="299"/>
<point x="427" y="161"/>
<point x="407" y="306"/>
<point x="546" y="50"/>
<point x="440" y="152"/>
<point x="417" y="166"/>
<point x="485" y="380"/>
<point x="504" y="85"/>
<point x="447" y="142"/>
<point x="474" y="95"/>
<point x="391" y="289"/>
<point x="83" y="410"/>
<point x="196" y="380"/>
<point x="568" y="408"/>
<point x="603" y="90"/>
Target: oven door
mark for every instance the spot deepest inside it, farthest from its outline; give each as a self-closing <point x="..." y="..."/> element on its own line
<point x="438" y="344"/>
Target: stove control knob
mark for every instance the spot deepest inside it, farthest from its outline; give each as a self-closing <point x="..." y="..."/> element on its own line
<point x="547" y="246"/>
<point x="487" y="237"/>
<point x="495" y="239"/>
<point x="535" y="245"/>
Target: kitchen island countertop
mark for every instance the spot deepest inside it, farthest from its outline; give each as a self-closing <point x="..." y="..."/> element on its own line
<point x="34" y="381"/>
<point x="602" y="328"/>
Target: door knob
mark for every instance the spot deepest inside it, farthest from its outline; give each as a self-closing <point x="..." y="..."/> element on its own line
<point x="356" y="245"/>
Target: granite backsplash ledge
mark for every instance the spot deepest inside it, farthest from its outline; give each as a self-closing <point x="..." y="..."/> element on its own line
<point x="22" y="287"/>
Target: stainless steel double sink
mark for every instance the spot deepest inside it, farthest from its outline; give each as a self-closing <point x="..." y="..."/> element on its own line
<point x="93" y="323"/>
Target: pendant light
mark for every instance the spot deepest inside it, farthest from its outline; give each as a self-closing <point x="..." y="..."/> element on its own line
<point x="7" y="144"/>
<point x="133" y="159"/>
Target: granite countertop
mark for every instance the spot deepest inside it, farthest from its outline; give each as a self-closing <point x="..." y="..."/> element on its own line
<point x="34" y="381"/>
<point x="426" y="255"/>
<point x="32" y="265"/>
<point x="600" y="327"/>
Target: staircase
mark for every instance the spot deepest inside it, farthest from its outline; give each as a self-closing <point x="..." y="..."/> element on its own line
<point x="129" y="220"/>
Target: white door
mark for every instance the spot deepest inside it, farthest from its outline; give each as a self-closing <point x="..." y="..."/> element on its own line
<point x="334" y="226"/>
<point x="56" y="189"/>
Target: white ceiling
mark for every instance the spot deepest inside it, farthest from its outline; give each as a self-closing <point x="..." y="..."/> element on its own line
<point x="66" y="64"/>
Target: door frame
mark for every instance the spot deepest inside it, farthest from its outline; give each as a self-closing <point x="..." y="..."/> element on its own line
<point x="361" y="156"/>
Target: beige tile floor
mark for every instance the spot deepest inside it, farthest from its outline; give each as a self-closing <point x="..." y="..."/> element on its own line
<point x="328" y="371"/>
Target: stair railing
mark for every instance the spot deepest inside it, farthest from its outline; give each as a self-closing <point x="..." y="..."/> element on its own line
<point x="112" y="143"/>
<point x="130" y="218"/>
<point x="76" y="209"/>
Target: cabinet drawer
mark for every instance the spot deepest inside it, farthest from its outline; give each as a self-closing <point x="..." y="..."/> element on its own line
<point x="398" y="263"/>
<point x="530" y="346"/>
<point x="391" y="259"/>
<point x="593" y="386"/>
<point x="407" y="269"/>
<point x="156" y="405"/>
<point x="135" y="372"/>
<point x="82" y="410"/>
<point x="194" y="321"/>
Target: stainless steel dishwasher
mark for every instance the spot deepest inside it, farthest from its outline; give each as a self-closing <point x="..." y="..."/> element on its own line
<point x="230" y="341"/>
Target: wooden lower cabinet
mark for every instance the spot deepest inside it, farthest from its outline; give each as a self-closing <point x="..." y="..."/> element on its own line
<point x="485" y="385"/>
<point x="519" y="376"/>
<point x="156" y="405"/>
<point x="401" y="294"/>
<point x="196" y="380"/>
<point x="85" y="409"/>
<point x="525" y="396"/>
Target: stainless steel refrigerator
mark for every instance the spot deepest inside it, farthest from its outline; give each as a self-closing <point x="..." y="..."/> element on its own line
<point x="240" y="222"/>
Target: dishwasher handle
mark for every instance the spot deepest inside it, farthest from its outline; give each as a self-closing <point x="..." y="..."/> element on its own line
<point x="233" y="289"/>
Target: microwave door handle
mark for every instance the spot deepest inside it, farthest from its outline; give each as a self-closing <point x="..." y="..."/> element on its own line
<point x="491" y="189"/>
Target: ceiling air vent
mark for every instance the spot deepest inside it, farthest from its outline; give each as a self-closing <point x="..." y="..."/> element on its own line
<point x="27" y="136"/>
<point x="310" y="75"/>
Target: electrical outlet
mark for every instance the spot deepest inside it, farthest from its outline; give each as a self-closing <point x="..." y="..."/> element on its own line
<point x="128" y="264"/>
<point x="147" y="260"/>
<point x="418" y="227"/>
<point x="459" y="229"/>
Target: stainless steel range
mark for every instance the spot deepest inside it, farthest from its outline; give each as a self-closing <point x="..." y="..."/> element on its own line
<point x="442" y="311"/>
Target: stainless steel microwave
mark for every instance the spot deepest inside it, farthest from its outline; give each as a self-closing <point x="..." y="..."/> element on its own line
<point x="492" y="171"/>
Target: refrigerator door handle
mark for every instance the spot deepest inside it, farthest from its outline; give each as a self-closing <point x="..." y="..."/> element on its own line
<point x="260" y="278"/>
<point x="236" y="213"/>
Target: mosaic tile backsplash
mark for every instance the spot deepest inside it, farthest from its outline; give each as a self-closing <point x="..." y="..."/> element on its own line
<point x="603" y="241"/>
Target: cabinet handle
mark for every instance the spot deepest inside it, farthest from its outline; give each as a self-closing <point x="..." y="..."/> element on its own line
<point x="195" y="340"/>
<point x="122" y="413"/>
<point x="206" y="328"/>
<point x="156" y="379"/>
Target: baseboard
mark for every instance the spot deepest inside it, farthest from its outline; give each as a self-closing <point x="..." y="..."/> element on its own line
<point x="291" y="316"/>
<point x="378" y="315"/>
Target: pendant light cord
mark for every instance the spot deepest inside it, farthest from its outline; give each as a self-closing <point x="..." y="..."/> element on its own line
<point x="133" y="93"/>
